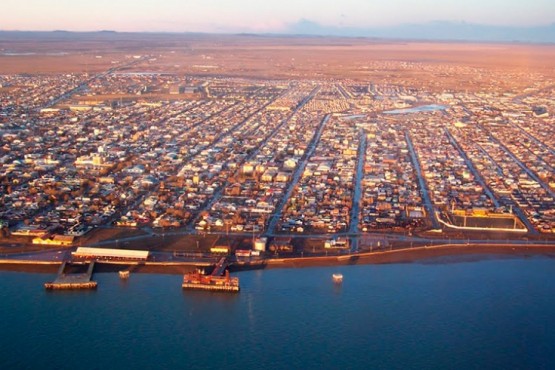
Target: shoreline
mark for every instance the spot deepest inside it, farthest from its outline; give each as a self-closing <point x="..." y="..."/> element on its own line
<point x="405" y="255"/>
<point x="410" y="255"/>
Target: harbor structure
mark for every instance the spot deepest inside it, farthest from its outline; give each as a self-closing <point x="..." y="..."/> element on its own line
<point x="70" y="281"/>
<point x="214" y="282"/>
<point x="85" y="253"/>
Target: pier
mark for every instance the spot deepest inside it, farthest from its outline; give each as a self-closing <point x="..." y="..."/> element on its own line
<point x="73" y="280"/>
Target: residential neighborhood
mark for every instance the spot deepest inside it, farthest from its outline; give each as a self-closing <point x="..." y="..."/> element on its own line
<point x="268" y="156"/>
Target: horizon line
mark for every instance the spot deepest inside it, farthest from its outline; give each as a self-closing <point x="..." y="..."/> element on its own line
<point x="299" y="35"/>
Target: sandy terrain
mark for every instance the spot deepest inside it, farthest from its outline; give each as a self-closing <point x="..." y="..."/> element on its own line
<point x="449" y="65"/>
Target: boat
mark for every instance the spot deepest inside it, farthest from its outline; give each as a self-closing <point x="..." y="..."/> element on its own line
<point x="198" y="281"/>
<point x="124" y="274"/>
<point x="337" y="278"/>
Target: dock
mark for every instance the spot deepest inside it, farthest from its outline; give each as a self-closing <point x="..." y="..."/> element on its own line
<point x="71" y="281"/>
<point x="213" y="282"/>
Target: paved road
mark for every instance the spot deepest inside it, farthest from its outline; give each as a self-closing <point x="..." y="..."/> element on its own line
<point x="522" y="165"/>
<point x="357" y="194"/>
<point x="472" y="169"/>
<point x="537" y="141"/>
<point x="345" y="93"/>
<point x="218" y="193"/>
<point x="300" y="106"/>
<point x="64" y="254"/>
<point x="423" y="187"/>
<point x="508" y="200"/>
<point x="296" y="177"/>
<point x="85" y="84"/>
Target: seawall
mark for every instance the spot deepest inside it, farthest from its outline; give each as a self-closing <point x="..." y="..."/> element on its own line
<point x="405" y="255"/>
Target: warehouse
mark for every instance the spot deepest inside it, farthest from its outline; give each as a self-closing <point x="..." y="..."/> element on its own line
<point x="110" y="254"/>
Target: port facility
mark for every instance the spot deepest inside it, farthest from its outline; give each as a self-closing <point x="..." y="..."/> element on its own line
<point x="110" y="254"/>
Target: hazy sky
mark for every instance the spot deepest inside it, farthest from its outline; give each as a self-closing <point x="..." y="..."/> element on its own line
<point x="261" y="15"/>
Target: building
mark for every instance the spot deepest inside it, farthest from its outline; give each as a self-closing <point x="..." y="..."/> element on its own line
<point x="60" y="240"/>
<point x="110" y="254"/>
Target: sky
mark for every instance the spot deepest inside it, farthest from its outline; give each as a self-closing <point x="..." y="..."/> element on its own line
<point x="229" y="16"/>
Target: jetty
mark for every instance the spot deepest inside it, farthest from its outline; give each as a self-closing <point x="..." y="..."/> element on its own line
<point x="66" y="280"/>
<point x="215" y="281"/>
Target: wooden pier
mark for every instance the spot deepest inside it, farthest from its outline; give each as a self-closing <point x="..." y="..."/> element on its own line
<point x="72" y="280"/>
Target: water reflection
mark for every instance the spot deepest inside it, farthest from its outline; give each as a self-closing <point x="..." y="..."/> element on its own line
<point x="422" y="108"/>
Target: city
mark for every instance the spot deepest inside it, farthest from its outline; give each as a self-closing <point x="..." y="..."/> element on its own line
<point x="277" y="185"/>
<point x="135" y="147"/>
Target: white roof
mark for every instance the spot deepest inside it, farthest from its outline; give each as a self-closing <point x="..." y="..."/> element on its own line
<point x="110" y="253"/>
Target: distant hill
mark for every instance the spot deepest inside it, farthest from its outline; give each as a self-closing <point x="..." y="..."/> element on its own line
<point x="438" y="30"/>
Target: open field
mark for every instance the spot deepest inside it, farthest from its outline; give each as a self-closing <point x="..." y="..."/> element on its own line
<point x="407" y="62"/>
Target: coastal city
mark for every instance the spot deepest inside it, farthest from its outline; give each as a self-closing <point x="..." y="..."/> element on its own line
<point x="277" y="184"/>
<point x="339" y="158"/>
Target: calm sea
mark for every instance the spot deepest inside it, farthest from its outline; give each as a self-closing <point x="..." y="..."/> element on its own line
<point x="487" y="313"/>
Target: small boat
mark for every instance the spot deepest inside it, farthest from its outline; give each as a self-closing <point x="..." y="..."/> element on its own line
<point x="124" y="274"/>
<point x="337" y="278"/>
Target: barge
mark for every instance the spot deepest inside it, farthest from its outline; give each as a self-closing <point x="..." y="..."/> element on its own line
<point x="198" y="281"/>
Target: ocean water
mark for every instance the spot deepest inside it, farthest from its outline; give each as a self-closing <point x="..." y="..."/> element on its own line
<point x="481" y="313"/>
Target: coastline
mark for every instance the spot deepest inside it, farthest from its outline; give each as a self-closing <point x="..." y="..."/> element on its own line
<point x="455" y="252"/>
<point x="409" y="255"/>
